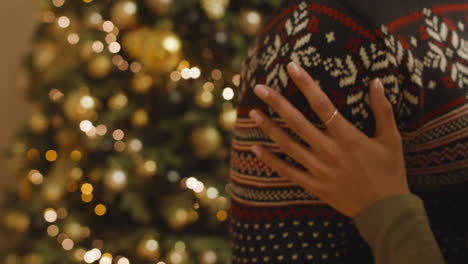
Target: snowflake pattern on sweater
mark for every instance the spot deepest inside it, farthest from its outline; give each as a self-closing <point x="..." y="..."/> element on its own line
<point x="421" y="57"/>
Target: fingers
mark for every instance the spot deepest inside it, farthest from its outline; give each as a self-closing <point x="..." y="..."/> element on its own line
<point x="293" y="117"/>
<point x="289" y="172"/>
<point x="286" y="143"/>
<point x="319" y="101"/>
<point x="386" y="127"/>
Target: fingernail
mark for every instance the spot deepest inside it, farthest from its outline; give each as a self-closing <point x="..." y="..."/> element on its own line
<point x="294" y="68"/>
<point x="379" y="85"/>
<point x="256" y="117"/>
<point x="261" y="91"/>
<point x="256" y="149"/>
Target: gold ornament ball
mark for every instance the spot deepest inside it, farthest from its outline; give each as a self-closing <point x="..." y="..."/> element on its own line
<point x="52" y="192"/>
<point x="158" y="50"/>
<point x="140" y="118"/>
<point x="159" y="7"/>
<point x="204" y="98"/>
<point x="38" y="122"/>
<point x="17" y="221"/>
<point x="206" y="140"/>
<point x="215" y="9"/>
<point x="44" y="54"/>
<point x="124" y="14"/>
<point x="115" y="180"/>
<point x="74" y="230"/>
<point x="250" y="21"/>
<point x="149" y="248"/>
<point x="141" y="83"/>
<point x="99" y="66"/>
<point x="118" y="101"/>
<point x="74" y="108"/>
<point x="227" y="119"/>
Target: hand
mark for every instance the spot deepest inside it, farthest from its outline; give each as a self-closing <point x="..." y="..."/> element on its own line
<point x="344" y="167"/>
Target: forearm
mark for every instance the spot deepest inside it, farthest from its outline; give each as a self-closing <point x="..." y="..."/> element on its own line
<point x="398" y="231"/>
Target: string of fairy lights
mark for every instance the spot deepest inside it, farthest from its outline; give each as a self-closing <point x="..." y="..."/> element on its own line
<point x="80" y="106"/>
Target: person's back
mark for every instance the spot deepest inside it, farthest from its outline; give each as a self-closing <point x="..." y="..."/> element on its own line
<point x="419" y="49"/>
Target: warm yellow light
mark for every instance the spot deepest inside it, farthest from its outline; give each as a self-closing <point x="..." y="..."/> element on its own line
<point x="152" y="245"/>
<point x="98" y="46"/>
<point x="75" y="155"/>
<point x="73" y="38"/>
<point x="171" y="44"/>
<point x="208" y="86"/>
<point x="50" y="215"/>
<point x="228" y="93"/>
<point x="114" y="47"/>
<point x="151" y="166"/>
<point x="221" y="215"/>
<point x="52" y="230"/>
<point x="63" y="22"/>
<point x="35" y="177"/>
<point x="87" y="188"/>
<point x="118" y="134"/>
<point x="100" y="209"/>
<point x="123" y="261"/>
<point x="87" y="102"/>
<point x="212" y="192"/>
<point x="108" y="26"/>
<point x="51" y="155"/>
<point x="106" y="259"/>
<point x="86" y="198"/>
<point x="67" y="244"/>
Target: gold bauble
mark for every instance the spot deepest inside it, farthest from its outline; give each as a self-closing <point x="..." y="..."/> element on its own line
<point x="52" y="191"/>
<point x="206" y="140"/>
<point x="180" y="213"/>
<point x="38" y="122"/>
<point x="250" y="21"/>
<point x="124" y="13"/>
<point x="140" y="118"/>
<point x="17" y="221"/>
<point x="160" y="7"/>
<point x="142" y="83"/>
<point x="215" y="9"/>
<point x="228" y="118"/>
<point x="158" y="50"/>
<point x="117" y="101"/>
<point x="99" y="66"/>
<point x="44" y="54"/>
<point x="115" y="180"/>
<point x="74" y="230"/>
<point x="204" y="98"/>
<point x="74" y="108"/>
<point x="149" y="248"/>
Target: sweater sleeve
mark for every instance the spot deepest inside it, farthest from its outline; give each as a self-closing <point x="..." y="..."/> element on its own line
<point x="398" y="231"/>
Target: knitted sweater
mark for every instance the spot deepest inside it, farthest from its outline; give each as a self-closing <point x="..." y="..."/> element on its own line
<point x="419" y="49"/>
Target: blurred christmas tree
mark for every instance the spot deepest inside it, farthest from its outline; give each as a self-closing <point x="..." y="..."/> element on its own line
<point x="125" y="157"/>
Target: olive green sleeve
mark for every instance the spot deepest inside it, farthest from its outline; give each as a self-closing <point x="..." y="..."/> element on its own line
<point x="397" y="230"/>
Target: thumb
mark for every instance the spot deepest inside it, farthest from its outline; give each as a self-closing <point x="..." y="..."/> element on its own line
<point x="382" y="108"/>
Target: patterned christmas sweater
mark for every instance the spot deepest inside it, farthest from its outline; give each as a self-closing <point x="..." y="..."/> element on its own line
<point x="419" y="49"/>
